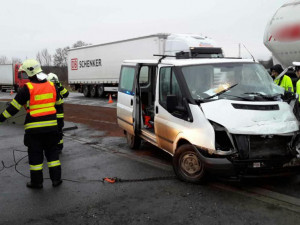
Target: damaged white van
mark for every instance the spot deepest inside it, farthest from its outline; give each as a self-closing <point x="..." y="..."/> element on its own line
<point x="212" y="114"/>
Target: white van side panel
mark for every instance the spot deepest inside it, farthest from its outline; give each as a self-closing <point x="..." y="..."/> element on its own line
<point x="200" y="132"/>
<point x="167" y="128"/>
<point x="125" y="112"/>
<point x="170" y="129"/>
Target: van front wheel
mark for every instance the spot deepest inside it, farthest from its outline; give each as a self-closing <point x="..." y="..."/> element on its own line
<point x="133" y="142"/>
<point x="187" y="165"/>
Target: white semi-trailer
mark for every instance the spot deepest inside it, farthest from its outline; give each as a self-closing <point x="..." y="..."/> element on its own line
<point x="6" y="76"/>
<point x="94" y="70"/>
<point x="11" y="78"/>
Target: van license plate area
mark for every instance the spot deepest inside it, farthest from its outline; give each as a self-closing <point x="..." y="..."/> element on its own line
<point x="257" y="165"/>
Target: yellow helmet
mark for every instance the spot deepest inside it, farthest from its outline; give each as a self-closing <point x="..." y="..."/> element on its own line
<point x="31" y="67"/>
<point x="53" y="78"/>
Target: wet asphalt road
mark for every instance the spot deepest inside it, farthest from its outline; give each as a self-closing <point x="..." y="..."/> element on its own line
<point x="76" y="98"/>
<point x="92" y="202"/>
<point x="89" y="201"/>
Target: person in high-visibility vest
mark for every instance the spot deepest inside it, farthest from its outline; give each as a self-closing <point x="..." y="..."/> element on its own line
<point x="297" y="71"/>
<point x="41" y="135"/>
<point x="59" y="106"/>
<point x="285" y="81"/>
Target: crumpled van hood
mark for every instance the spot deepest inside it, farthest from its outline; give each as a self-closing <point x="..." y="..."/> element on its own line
<point x="251" y="121"/>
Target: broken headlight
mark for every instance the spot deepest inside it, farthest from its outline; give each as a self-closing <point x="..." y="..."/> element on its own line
<point x="223" y="140"/>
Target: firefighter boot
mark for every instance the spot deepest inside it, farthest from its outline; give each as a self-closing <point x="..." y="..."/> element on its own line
<point x="36" y="179"/>
<point x="55" y="175"/>
<point x="56" y="183"/>
<point x="34" y="186"/>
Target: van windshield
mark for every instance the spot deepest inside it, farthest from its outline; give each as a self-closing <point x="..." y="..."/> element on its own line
<point x="231" y="80"/>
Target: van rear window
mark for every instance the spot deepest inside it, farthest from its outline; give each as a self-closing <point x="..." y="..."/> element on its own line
<point x="127" y="79"/>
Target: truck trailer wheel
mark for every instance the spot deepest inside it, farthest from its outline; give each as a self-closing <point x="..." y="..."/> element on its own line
<point x="86" y="91"/>
<point x="93" y="91"/>
<point x="133" y="142"/>
<point x="100" y="90"/>
<point x="187" y="165"/>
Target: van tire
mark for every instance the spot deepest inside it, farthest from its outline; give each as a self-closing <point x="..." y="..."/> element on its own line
<point x="187" y="165"/>
<point x="86" y="91"/>
<point x="133" y="141"/>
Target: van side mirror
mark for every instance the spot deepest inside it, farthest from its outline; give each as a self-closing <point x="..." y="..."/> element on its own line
<point x="171" y="103"/>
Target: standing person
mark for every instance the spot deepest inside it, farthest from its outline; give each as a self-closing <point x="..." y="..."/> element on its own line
<point x="297" y="71"/>
<point x="38" y="97"/>
<point x="63" y="93"/>
<point x="285" y="81"/>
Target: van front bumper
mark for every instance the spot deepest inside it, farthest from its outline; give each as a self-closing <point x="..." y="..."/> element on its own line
<point x="250" y="168"/>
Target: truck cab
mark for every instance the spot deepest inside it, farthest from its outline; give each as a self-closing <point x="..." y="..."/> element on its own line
<point x="11" y="78"/>
<point x="20" y="78"/>
<point x="212" y="114"/>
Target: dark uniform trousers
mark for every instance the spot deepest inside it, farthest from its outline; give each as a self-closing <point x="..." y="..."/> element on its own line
<point x="38" y="145"/>
<point x="60" y="125"/>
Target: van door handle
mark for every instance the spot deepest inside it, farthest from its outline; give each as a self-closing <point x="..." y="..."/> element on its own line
<point x="156" y="109"/>
<point x="131" y="102"/>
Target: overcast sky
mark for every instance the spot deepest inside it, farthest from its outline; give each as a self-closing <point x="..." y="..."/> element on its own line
<point x="32" y="25"/>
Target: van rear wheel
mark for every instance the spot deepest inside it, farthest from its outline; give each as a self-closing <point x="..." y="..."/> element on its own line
<point x="133" y="141"/>
<point x="187" y="165"/>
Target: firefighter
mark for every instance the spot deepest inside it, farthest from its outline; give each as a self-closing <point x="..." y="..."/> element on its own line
<point x="63" y="93"/>
<point x="41" y="135"/>
<point x="285" y="81"/>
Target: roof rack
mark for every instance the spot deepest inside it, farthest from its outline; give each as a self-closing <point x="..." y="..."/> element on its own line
<point x="163" y="57"/>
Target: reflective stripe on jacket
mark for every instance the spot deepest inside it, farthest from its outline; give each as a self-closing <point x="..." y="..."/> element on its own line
<point x="286" y="83"/>
<point x="63" y="93"/>
<point x="42" y="99"/>
<point x="298" y="88"/>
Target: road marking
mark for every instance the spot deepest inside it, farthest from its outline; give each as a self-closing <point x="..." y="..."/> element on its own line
<point x="264" y="195"/>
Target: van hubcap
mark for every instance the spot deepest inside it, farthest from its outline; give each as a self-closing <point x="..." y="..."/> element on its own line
<point x="190" y="163"/>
